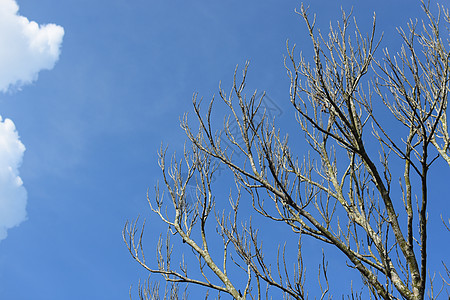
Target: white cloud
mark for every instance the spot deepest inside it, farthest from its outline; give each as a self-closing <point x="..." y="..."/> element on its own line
<point x="13" y="196"/>
<point x="25" y="47"/>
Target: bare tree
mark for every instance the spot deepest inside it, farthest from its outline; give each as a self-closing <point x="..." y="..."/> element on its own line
<point x="340" y="193"/>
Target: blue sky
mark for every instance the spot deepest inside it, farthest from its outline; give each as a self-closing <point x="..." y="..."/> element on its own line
<point x="92" y="125"/>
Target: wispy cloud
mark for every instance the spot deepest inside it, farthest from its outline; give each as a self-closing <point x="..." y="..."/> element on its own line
<point x="25" y="49"/>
